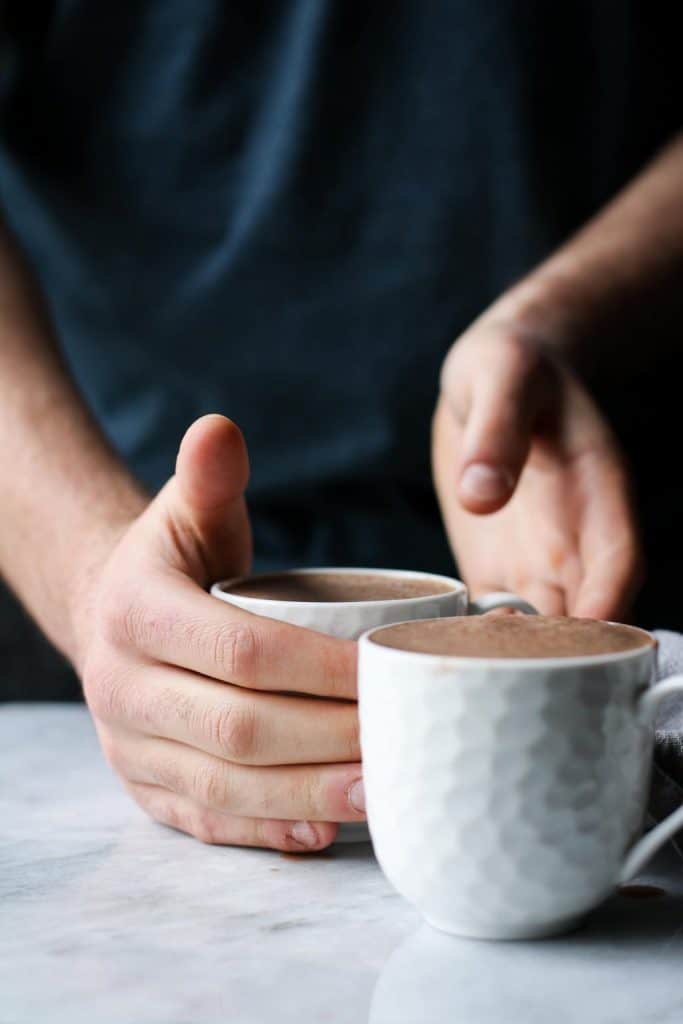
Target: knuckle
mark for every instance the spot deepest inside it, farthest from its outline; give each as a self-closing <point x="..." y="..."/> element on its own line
<point x="339" y="660"/>
<point x="204" y="827"/>
<point x="268" y="799"/>
<point x="209" y="786"/>
<point x="236" y="651"/>
<point x="104" y="687"/>
<point x="521" y="355"/>
<point x="306" y="792"/>
<point x="166" y="773"/>
<point x="234" y="732"/>
<point x="127" y="620"/>
<point x="353" y="734"/>
<point x="119" y="615"/>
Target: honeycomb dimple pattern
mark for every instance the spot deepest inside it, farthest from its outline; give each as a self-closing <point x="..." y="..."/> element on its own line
<point x="501" y="802"/>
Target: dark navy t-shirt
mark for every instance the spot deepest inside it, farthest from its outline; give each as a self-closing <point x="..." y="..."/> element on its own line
<point x="285" y="212"/>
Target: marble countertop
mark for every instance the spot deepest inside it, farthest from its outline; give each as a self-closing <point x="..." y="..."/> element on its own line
<point x="107" y="917"/>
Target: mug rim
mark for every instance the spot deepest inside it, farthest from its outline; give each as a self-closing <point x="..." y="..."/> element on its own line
<point x="457" y="586"/>
<point x="505" y="664"/>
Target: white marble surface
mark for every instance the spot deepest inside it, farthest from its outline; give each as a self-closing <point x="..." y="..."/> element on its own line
<point x="107" y="917"/>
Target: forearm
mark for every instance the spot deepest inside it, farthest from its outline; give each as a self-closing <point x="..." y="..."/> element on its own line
<point x="64" y="494"/>
<point x="618" y="279"/>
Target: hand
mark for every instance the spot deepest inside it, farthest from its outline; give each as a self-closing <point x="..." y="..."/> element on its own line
<point x="531" y="483"/>
<point x="192" y="698"/>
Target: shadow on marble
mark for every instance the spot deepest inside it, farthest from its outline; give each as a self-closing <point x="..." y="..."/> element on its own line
<point x="621" y="966"/>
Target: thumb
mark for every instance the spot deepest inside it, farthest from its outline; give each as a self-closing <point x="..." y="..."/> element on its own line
<point x="205" y="500"/>
<point x="507" y="391"/>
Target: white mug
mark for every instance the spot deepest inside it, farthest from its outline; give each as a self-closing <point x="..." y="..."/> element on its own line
<point x="505" y="796"/>
<point x="348" y="619"/>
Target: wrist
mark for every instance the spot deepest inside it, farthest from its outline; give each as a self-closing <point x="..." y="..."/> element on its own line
<point x="551" y="308"/>
<point x="85" y="575"/>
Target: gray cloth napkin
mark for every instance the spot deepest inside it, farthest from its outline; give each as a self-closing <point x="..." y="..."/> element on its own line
<point x="667" y="777"/>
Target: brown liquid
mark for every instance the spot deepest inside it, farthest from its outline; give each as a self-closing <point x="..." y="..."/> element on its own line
<point x="512" y="636"/>
<point x="325" y="587"/>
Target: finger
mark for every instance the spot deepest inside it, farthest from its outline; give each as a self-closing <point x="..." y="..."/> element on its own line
<point x="301" y="793"/>
<point x="172" y="620"/>
<point x="610" y="550"/>
<point x="230" y="722"/>
<point x="505" y="397"/>
<point x="226" y="830"/>
<point x="613" y="578"/>
<point x="547" y="598"/>
<point x="204" y="502"/>
<point x="212" y="468"/>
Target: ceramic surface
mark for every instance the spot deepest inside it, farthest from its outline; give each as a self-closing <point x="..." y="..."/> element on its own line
<point x="502" y="796"/>
<point x="348" y="619"/>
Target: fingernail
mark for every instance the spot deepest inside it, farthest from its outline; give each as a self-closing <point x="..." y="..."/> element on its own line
<point x="304" y="833"/>
<point x="485" y="483"/>
<point x="356" y="796"/>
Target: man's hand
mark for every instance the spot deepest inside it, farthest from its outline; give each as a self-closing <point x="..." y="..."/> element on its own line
<point x="192" y="698"/>
<point x="531" y="483"/>
<point x="517" y="435"/>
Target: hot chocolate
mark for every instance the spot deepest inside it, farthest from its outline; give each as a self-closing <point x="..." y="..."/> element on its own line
<point x="512" y="636"/>
<point x="325" y="587"/>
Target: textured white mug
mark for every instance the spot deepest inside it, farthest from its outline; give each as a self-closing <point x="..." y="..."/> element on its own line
<point x="505" y="796"/>
<point x="348" y="619"/>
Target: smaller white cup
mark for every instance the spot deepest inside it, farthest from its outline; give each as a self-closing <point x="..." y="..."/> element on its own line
<point x="348" y="619"/>
<point x="504" y="796"/>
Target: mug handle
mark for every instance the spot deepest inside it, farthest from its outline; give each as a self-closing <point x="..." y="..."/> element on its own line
<point x="500" y="599"/>
<point x="640" y="852"/>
